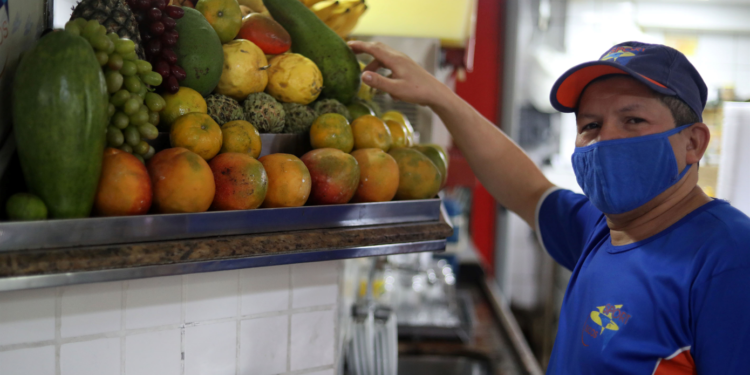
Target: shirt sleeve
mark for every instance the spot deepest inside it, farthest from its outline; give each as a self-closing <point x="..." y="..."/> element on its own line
<point x="565" y="220"/>
<point x="720" y="328"/>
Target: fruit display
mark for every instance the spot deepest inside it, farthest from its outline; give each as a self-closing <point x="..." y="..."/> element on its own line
<point x="340" y="15"/>
<point x="95" y="103"/>
<point x="316" y="41"/>
<point x="60" y="114"/>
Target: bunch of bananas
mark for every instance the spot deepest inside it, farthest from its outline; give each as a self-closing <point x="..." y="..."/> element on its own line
<point x="340" y="15"/>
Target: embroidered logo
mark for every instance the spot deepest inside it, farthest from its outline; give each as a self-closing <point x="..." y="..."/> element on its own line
<point x="603" y="323"/>
<point x="622" y="54"/>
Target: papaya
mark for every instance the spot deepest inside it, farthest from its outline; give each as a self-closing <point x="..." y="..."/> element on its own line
<point x="316" y="41"/>
<point x="199" y="52"/>
<point x="60" y="119"/>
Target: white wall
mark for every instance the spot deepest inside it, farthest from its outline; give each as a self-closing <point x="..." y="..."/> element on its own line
<point x="272" y="320"/>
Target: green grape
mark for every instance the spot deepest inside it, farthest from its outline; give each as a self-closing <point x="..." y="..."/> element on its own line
<point x="148" y="131"/>
<point x="102" y="30"/>
<point x="139" y="118"/>
<point x="110" y="47"/>
<point x="155" y="102"/>
<point x="114" y="136"/>
<point x="127" y="148"/>
<point x="152" y="78"/>
<point x="114" y="81"/>
<point x="81" y="22"/>
<point x="128" y="69"/>
<point x="132" y="136"/>
<point x="150" y="153"/>
<point x="131" y="106"/>
<point x="140" y="158"/>
<point x="102" y="57"/>
<point x="100" y="42"/>
<point x="73" y="28"/>
<point x="133" y="84"/>
<point x="113" y="37"/>
<point x="124" y="46"/>
<point x="115" y="62"/>
<point x="141" y="148"/>
<point x="143" y="66"/>
<point x="142" y="92"/>
<point x="91" y="28"/>
<point x="130" y="56"/>
<point x="111" y="110"/>
<point x="153" y="118"/>
<point x="119" y="98"/>
<point x="120" y="120"/>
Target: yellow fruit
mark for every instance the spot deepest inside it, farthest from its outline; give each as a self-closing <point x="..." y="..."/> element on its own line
<point x="244" y="70"/>
<point x="437" y="155"/>
<point x="293" y="78"/>
<point x="399" y="133"/>
<point x="225" y="16"/>
<point x="331" y="130"/>
<point x="240" y="136"/>
<point x="198" y="133"/>
<point x="184" y="101"/>
<point x="371" y="132"/>
<point x="365" y="92"/>
<point x="399" y="117"/>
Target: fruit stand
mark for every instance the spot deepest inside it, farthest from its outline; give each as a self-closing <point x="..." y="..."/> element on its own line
<point x="205" y="137"/>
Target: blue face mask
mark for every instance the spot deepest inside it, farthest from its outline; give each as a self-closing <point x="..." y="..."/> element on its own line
<point x="621" y="175"/>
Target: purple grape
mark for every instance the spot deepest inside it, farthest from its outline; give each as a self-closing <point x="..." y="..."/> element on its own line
<point x="156" y="28"/>
<point x="169" y="56"/>
<point x="159" y="4"/>
<point x="175" y="12"/>
<point x="145" y="37"/>
<point x="178" y="72"/>
<point x="154" y="47"/>
<point x="168" y="40"/>
<point x="139" y="18"/>
<point x="169" y="22"/>
<point x="154" y="14"/>
<point x="142" y="4"/>
<point x="162" y="67"/>
<point x="131" y="4"/>
<point x="172" y="85"/>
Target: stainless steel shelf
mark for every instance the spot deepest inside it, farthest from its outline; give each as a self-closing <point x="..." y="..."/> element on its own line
<point x="61" y="279"/>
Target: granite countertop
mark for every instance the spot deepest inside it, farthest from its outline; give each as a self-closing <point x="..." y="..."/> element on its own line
<point x="98" y="258"/>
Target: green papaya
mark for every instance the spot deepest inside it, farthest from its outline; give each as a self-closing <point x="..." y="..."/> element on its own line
<point x="199" y="52"/>
<point x="60" y="119"/>
<point x="316" y="41"/>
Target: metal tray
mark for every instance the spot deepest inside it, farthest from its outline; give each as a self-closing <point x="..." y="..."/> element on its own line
<point x="131" y="229"/>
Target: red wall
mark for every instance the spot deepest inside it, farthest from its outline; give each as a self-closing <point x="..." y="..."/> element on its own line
<point x="482" y="89"/>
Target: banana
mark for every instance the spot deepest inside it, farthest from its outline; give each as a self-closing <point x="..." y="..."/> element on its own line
<point x="324" y="9"/>
<point x="310" y="3"/>
<point x="352" y="19"/>
<point x="338" y="18"/>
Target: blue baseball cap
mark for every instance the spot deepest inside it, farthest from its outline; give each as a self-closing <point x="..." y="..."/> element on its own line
<point x="661" y="68"/>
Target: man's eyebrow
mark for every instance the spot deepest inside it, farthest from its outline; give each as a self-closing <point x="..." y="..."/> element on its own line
<point x="630" y="108"/>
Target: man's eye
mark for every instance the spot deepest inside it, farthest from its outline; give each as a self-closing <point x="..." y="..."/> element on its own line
<point x="635" y="120"/>
<point x="589" y="126"/>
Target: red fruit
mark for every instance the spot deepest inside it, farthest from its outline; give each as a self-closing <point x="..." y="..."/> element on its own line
<point x="266" y="33"/>
<point x="172" y="85"/>
<point x="162" y="67"/>
<point x="154" y="47"/>
<point x="142" y="4"/>
<point x="175" y="12"/>
<point x="154" y="14"/>
<point x="169" y="56"/>
<point x="159" y="4"/>
<point x="124" y="185"/>
<point x="178" y="72"/>
<point x="168" y="39"/>
<point x="156" y="28"/>
<point x="334" y="175"/>
<point x="169" y="22"/>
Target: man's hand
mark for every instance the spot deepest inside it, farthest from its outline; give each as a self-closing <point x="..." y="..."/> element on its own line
<point x="408" y="82"/>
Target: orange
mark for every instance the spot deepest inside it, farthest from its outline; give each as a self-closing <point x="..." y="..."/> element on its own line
<point x="289" y="181"/>
<point x="240" y="136"/>
<point x="437" y="155"/>
<point x="399" y="133"/>
<point x="331" y="130"/>
<point x="185" y="100"/>
<point x="182" y="181"/>
<point x="225" y="16"/>
<point x="378" y="179"/>
<point x="399" y="117"/>
<point x="241" y="182"/>
<point x="371" y="132"/>
<point x="124" y="185"/>
<point x="198" y="133"/>
<point x="418" y="178"/>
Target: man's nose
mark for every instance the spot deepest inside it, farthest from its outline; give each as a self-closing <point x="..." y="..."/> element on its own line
<point x="609" y="132"/>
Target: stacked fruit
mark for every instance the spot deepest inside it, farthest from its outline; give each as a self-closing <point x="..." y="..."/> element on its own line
<point x="157" y="23"/>
<point x="340" y="15"/>
<point x="133" y="110"/>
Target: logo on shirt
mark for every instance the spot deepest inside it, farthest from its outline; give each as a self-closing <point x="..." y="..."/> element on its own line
<point x="603" y="323"/>
<point x="622" y="54"/>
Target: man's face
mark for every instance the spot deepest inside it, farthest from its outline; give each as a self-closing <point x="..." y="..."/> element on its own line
<point x="620" y="107"/>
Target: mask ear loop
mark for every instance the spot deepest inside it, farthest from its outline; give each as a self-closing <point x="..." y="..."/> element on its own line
<point x="671" y="133"/>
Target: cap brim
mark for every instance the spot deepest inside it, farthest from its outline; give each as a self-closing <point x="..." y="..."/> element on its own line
<point x="568" y="89"/>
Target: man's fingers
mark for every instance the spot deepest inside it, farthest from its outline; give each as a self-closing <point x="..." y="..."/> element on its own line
<point x="379" y="82"/>
<point x="373" y="66"/>
<point x="377" y="50"/>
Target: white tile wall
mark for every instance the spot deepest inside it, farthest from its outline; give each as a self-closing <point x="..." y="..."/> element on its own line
<point x="275" y="320"/>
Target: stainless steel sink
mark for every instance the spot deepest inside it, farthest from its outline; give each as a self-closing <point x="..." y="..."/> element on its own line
<point x="442" y="365"/>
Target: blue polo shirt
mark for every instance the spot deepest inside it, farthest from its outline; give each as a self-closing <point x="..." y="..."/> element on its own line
<point x="674" y="303"/>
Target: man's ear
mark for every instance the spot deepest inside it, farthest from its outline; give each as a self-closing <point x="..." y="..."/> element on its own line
<point x="699" y="136"/>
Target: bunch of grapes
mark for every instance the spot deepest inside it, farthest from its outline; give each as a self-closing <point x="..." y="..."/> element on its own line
<point x="157" y="24"/>
<point x="133" y="108"/>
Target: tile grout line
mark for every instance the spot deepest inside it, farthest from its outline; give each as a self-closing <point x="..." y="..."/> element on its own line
<point x="238" y="323"/>
<point x="183" y="293"/>
<point x="289" y="321"/>
<point x="58" y="329"/>
<point x="310" y="370"/>
<point x="123" y="302"/>
<point x="336" y="317"/>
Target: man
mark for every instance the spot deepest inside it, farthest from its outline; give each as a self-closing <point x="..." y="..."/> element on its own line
<point x="659" y="268"/>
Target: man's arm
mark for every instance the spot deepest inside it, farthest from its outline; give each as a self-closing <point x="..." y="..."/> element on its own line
<point x="503" y="168"/>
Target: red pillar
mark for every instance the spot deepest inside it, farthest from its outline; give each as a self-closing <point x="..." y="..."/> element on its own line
<point x="482" y="89"/>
